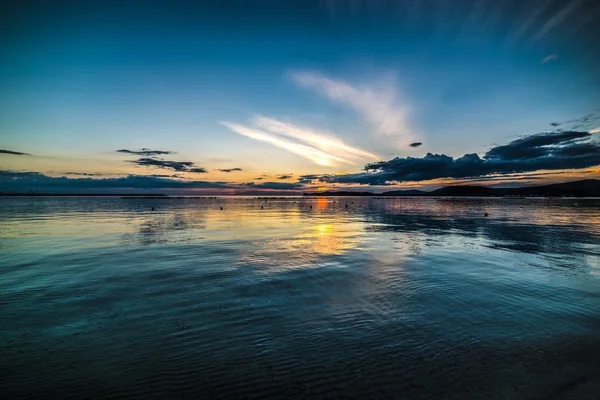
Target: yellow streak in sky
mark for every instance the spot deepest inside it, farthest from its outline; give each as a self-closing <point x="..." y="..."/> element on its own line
<point x="315" y="155"/>
<point x="317" y="139"/>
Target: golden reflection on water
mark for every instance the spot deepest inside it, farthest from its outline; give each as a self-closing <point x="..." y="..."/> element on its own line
<point x="330" y="238"/>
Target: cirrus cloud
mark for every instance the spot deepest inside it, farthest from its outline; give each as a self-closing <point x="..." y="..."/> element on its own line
<point x="378" y="104"/>
<point x="318" y="146"/>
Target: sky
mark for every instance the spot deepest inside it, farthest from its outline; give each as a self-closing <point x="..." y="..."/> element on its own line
<point x="240" y="97"/>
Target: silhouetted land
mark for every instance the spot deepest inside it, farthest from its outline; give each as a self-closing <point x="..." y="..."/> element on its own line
<point x="583" y="188"/>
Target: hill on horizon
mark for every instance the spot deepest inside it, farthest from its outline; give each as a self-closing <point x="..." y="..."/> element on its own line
<point x="580" y="188"/>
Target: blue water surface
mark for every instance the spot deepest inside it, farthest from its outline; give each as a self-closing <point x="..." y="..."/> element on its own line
<point x="408" y="298"/>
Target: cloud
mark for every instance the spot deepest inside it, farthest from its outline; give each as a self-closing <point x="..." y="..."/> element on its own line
<point x="415" y="144"/>
<point x="275" y="185"/>
<point x="84" y="173"/>
<point x="25" y="181"/>
<point x="543" y="151"/>
<point x="549" y="58"/>
<point x="145" y="152"/>
<point x="230" y="169"/>
<point x="163" y="175"/>
<point x="309" y="152"/>
<point x="596" y="130"/>
<point x="317" y="146"/>
<point x="179" y="166"/>
<point x="284" y="176"/>
<point x="318" y="139"/>
<point x="307" y="179"/>
<point x="379" y="105"/>
<point x="15" y="153"/>
<point x="556" y="19"/>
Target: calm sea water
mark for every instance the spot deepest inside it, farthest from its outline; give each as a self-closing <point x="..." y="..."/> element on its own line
<point x="397" y="298"/>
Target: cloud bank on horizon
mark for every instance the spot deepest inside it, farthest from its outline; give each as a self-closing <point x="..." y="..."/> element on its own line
<point x="550" y="151"/>
<point x="542" y="151"/>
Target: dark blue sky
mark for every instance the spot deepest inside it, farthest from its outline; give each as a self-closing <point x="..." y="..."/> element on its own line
<point x="279" y="87"/>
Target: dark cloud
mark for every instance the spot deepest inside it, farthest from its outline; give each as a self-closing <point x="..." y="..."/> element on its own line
<point x="198" y="170"/>
<point x="543" y="151"/>
<point x="145" y="152"/>
<point x="84" y="173"/>
<point x="164" y="176"/>
<point x="415" y="144"/>
<point x="15" y="153"/>
<point x="230" y="169"/>
<point x="274" y="185"/>
<point x="284" y="176"/>
<point x="306" y="179"/>
<point x="535" y="146"/>
<point x="25" y="181"/>
<point x="260" y="178"/>
<point x="179" y="166"/>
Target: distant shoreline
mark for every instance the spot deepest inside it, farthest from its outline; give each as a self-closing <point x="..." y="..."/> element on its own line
<point x="576" y="189"/>
<point x="583" y="188"/>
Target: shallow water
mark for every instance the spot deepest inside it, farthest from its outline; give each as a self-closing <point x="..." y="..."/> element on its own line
<point x="397" y="298"/>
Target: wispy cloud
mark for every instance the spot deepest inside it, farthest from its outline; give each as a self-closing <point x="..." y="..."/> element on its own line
<point x="179" y="166"/>
<point x="318" y="139"/>
<point x="549" y="58"/>
<point x="595" y="130"/>
<point x="14" y="153"/>
<point x="317" y="147"/>
<point x="145" y="152"/>
<point x="378" y="104"/>
<point x="557" y="19"/>
<point x="84" y="173"/>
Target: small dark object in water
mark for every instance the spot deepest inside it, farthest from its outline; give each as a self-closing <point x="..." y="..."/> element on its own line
<point x="261" y="207"/>
<point x="152" y="208"/>
<point x="485" y="214"/>
<point x="310" y="206"/>
<point x="221" y="208"/>
<point x="346" y="205"/>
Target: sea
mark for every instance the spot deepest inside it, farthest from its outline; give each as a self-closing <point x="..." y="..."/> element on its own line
<point x="299" y="298"/>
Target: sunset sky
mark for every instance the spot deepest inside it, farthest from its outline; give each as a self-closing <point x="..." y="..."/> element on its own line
<point x="250" y="96"/>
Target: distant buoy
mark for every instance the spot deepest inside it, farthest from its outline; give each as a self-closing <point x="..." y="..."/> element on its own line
<point x="221" y="208"/>
<point x="310" y="206"/>
<point x="152" y="208"/>
<point x="346" y="205"/>
<point x="261" y="207"/>
<point x="485" y="214"/>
